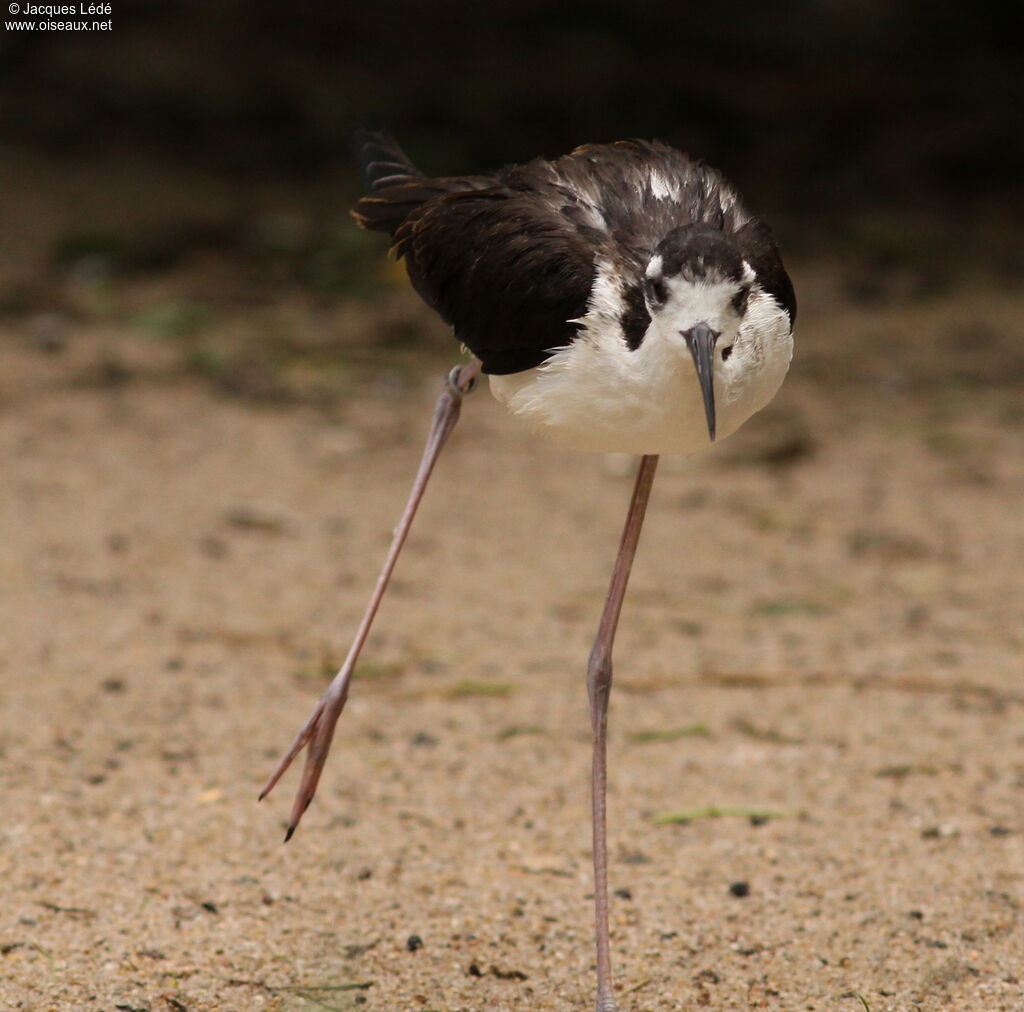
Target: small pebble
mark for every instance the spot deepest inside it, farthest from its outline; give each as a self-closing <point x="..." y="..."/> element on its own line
<point x="117" y="542"/>
<point x="740" y="889"/>
<point x="634" y="857"/>
<point x="213" y="547"/>
<point x="939" y="832"/>
<point x="414" y="942"/>
<point x="256" y="516"/>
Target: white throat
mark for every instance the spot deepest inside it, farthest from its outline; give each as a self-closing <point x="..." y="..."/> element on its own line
<point x="596" y="394"/>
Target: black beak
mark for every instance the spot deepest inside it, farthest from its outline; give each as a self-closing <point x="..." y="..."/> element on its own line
<point x="701" y="342"/>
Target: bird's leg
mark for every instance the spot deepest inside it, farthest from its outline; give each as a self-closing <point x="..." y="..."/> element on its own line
<point x="599" y="684"/>
<point x="319" y="728"/>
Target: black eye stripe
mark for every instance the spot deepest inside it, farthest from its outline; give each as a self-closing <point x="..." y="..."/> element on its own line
<point x="656" y="289"/>
<point x="739" y="300"/>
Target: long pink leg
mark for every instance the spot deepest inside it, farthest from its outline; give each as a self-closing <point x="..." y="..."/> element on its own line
<point x="599" y="684"/>
<point x="318" y="730"/>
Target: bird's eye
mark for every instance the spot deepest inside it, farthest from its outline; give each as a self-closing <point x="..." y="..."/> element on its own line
<point x="739" y="300"/>
<point x="657" y="291"/>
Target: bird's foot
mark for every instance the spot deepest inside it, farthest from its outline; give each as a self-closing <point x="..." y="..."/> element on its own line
<point x="317" y="732"/>
<point x="315" y="736"/>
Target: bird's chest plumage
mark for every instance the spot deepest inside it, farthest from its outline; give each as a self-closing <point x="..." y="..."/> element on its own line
<point x="597" y="394"/>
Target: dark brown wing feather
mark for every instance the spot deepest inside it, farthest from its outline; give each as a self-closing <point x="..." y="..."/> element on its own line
<point x="505" y="270"/>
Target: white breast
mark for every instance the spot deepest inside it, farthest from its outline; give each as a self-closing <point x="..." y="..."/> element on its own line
<point x="597" y="395"/>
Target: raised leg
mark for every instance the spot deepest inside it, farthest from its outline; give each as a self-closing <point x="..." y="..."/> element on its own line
<point x="318" y="730"/>
<point x="599" y="684"/>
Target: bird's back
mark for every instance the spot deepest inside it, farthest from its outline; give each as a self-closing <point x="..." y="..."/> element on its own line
<point x="634" y="192"/>
<point x="510" y="259"/>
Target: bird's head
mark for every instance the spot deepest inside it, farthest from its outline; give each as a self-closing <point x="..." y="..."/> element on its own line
<point x="696" y="288"/>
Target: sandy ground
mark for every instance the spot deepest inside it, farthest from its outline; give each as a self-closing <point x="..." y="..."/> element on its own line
<point x="825" y="622"/>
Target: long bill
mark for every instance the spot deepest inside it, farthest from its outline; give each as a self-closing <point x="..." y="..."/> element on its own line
<point x="700" y="339"/>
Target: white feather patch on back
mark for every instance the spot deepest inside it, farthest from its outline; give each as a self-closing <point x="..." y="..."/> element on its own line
<point x="661" y="187"/>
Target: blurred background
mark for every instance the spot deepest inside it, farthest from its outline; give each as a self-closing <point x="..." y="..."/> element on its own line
<point x="213" y="391"/>
<point x="202" y="148"/>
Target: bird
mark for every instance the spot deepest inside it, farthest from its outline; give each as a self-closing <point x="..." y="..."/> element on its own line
<point x="620" y="298"/>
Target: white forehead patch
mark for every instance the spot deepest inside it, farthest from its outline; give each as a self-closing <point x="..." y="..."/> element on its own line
<point x="699" y="301"/>
<point x="748" y="274"/>
<point x="654" y="267"/>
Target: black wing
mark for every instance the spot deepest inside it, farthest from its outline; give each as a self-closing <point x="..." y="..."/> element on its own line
<point x="507" y="267"/>
<point x="509" y="272"/>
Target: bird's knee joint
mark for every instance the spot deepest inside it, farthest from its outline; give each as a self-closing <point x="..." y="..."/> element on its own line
<point x="599" y="669"/>
<point x="457" y="387"/>
<point x="600" y="658"/>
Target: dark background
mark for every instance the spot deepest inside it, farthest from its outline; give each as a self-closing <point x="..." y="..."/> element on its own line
<point x="859" y="100"/>
<point x="213" y="394"/>
<point x="884" y="137"/>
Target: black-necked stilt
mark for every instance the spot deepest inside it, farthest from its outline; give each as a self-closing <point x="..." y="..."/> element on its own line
<point x="621" y="298"/>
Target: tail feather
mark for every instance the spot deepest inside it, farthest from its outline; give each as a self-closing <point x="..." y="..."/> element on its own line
<point x="382" y="162"/>
<point x="386" y="210"/>
<point x="396" y="189"/>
